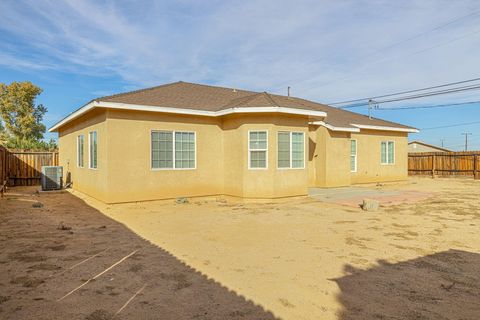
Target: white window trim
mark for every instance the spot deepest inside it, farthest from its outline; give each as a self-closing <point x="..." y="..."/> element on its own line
<point x="78" y="151"/>
<point x="356" y="154"/>
<point x="291" y="151"/>
<point x="386" y="152"/>
<point x="173" y="149"/>
<point x="89" y="150"/>
<point x="266" y="150"/>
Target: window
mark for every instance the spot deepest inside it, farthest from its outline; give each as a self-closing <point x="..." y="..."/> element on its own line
<point x="257" y="149"/>
<point x="173" y="150"/>
<point x="291" y="150"/>
<point x="353" y="155"/>
<point x="92" y="149"/>
<point x="80" y="151"/>
<point x="387" y="152"/>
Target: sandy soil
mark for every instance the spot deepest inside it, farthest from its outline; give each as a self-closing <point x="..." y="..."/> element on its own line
<point x="297" y="258"/>
<point x="47" y="252"/>
<point x="305" y="259"/>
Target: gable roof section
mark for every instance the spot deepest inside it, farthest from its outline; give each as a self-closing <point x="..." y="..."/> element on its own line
<point x="429" y="145"/>
<point x="205" y="100"/>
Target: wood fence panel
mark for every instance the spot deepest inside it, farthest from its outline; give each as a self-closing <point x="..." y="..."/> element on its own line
<point x="445" y="163"/>
<point x="3" y="169"/>
<point x="24" y="167"/>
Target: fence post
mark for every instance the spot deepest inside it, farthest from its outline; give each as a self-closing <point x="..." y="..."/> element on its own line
<point x="433" y="166"/>
<point x="475" y="158"/>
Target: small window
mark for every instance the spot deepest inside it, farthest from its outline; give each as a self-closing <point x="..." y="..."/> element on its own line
<point x="257" y="149"/>
<point x="387" y="152"/>
<point x="80" y="143"/>
<point x="92" y="142"/>
<point x="173" y="150"/>
<point x="291" y="150"/>
<point x="353" y="155"/>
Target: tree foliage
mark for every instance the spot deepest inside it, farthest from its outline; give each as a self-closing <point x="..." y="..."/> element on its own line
<point x="21" y="124"/>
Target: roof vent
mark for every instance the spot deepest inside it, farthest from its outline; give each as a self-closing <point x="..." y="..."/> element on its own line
<point x="288" y="91"/>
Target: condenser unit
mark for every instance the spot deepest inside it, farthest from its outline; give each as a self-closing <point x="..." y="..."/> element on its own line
<point x="52" y="177"/>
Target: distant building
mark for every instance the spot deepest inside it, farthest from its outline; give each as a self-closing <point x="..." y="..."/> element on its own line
<point x="419" y="146"/>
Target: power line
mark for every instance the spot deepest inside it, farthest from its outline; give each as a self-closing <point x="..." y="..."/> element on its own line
<point x="409" y="91"/>
<point x="418" y="96"/>
<point x="441" y="26"/>
<point x="404" y="56"/>
<point x="452" y="125"/>
<point x="432" y="106"/>
<point x="431" y="30"/>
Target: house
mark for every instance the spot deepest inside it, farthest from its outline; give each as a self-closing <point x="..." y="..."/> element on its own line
<point x="185" y="139"/>
<point x="419" y="146"/>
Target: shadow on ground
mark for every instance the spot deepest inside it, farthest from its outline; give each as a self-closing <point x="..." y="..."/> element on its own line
<point x="444" y="285"/>
<point x="53" y="243"/>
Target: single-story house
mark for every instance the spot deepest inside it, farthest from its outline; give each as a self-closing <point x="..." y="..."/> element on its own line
<point x="185" y="140"/>
<point x="419" y="146"/>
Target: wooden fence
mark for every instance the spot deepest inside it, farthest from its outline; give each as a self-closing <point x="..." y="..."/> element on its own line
<point x="445" y="163"/>
<point x="23" y="168"/>
<point x="3" y="169"/>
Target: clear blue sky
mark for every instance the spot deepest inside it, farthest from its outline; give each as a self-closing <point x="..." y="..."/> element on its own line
<point x="326" y="51"/>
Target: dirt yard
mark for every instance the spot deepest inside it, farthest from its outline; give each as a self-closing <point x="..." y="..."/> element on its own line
<point x="288" y="259"/>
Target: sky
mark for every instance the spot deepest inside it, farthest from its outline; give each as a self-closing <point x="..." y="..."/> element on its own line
<point x="326" y="51"/>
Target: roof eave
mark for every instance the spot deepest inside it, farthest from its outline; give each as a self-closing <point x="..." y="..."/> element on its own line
<point x="385" y="128"/>
<point x="138" y="107"/>
<point x="334" y="128"/>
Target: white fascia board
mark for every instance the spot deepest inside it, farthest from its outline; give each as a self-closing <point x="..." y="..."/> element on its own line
<point x="72" y="116"/>
<point x="140" y="107"/>
<point x="333" y="128"/>
<point x="383" y="128"/>
<point x="137" y="107"/>
<point x="271" y="109"/>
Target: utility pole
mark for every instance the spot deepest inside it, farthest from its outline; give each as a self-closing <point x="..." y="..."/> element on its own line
<point x="442" y="141"/>
<point x="466" y="139"/>
<point x="372" y="104"/>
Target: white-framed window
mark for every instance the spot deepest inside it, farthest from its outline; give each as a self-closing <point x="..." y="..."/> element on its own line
<point x="257" y="149"/>
<point x="387" y="152"/>
<point x="353" y="155"/>
<point x="173" y="149"/>
<point x="291" y="150"/>
<point x="92" y="150"/>
<point x="80" y="143"/>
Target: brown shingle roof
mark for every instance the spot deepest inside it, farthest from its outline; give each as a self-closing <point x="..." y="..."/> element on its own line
<point x="210" y="98"/>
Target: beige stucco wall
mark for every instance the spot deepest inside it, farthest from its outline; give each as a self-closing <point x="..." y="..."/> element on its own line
<point x="369" y="167"/>
<point x="330" y="164"/>
<point x="262" y="183"/>
<point x="93" y="182"/>
<point x="131" y="177"/>
<point x="221" y="157"/>
<point x="124" y="171"/>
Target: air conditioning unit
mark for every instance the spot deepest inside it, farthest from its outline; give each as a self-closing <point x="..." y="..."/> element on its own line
<point x="52" y="177"/>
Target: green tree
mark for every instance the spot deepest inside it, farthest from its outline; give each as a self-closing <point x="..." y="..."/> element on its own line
<point x="21" y="124"/>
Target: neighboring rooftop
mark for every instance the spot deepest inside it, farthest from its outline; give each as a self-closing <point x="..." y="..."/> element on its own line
<point x="425" y="147"/>
<point x="214" y="100"/>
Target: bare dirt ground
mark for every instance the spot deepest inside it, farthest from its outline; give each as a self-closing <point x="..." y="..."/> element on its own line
<point x="49" y="251"/>
<point x="291" y="259"/>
